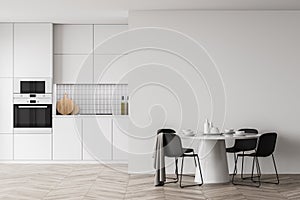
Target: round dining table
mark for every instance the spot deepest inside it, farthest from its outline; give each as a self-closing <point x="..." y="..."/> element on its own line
<point x="213" y="158"/>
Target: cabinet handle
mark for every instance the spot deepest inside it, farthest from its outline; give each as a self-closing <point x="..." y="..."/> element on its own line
<point x="32" y="106"/>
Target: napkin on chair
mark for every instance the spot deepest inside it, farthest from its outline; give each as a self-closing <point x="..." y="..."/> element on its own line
<point x="159" y="161"/>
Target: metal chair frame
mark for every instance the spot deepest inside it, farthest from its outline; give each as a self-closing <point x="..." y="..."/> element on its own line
<point x="255" y="163"/>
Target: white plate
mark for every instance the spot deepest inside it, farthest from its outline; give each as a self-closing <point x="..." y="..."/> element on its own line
<point x="187" y="131"/>
<point x="229" y="133"/>
<point x="188" y="134"/>
<point x="212" y="133"/>
<point x="240" y="134"/>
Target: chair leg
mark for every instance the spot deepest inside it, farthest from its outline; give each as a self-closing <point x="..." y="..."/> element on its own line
<point x="258" y="171"/>
<point x="253" y="162"/>
<point x="195" y="159"/>
<point x="181" y="171"/>
<point x="235" y="169"/>
<point x="181" y="174"/>
<point x="234" y="157"/>
<point x="176" y="174"/>
<point x="200" y="170"/>
<point x="176" y="168"/>
<point x="275" y="169"/>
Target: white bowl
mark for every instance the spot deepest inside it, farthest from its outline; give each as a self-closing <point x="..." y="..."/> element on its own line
<point x="229" y="130"/>
<point x="187" y="131"/>
<point x="239" y="132"/>
<point x="189" y="134"/>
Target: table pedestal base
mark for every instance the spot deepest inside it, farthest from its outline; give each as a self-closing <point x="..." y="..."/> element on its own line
<point x="213" y="161"/>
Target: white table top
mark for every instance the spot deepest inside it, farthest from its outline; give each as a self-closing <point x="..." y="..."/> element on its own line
<point x="202" y="136"/>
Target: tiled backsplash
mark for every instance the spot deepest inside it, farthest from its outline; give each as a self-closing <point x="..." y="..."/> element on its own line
<point x="94" y="98"/>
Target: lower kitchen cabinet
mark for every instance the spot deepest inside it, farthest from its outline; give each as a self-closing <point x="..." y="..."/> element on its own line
<point x="67" y="139"/>
<point x="90" y="138"/>
<point x="97" y="138"/>
<point x="32" y="146"/>
<point x="120" y="138"/>
<point x="6" y="146"/>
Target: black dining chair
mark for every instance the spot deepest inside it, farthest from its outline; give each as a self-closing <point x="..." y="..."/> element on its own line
<point x="173" y="148"/>
<point x="185" y="150"/>
<point x="265" y="148"/>
<point x="242" y="145"/>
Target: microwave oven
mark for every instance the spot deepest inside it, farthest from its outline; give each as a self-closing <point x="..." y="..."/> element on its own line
<point x="32" y="86"/>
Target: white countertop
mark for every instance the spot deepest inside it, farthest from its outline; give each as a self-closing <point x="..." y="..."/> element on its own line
<point x="83" y="116"/>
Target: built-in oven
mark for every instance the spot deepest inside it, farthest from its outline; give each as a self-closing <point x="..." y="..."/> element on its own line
<point x="32" y="86"/>
<point x="32" y="114"/>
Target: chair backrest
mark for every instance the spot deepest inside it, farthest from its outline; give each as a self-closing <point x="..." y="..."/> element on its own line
<point x="266" y="144"/>
<point x="165" y="130"/>
<point x="249" y="130"/>
<point x="245" y="144"/>
<point x="172" y="145"/>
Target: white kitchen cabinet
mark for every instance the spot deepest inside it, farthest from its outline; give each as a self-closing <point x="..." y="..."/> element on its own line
<point x="73" y="39"/>
<point x="110" y="68"/>
<point x="32" y="146"/>
<point x="67" y="138"/>
<point x="73" y="69"/>
<point x="109" y="39"/>
<point x="6" y="50"/>
<point x="97" y="138"/>
<point x="6" y="146"/>
<point x="33" y="50"/>
<point x="6" y="105"/>
<point x="120" y="138"/>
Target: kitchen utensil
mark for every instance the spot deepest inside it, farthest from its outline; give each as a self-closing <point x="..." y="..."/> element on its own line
<point x="65" y="105"/>
<point x="75" y="110"/>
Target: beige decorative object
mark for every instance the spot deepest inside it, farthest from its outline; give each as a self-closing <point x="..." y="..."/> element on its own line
<point x="65" y="105"/>
<point x="75" y="110"/>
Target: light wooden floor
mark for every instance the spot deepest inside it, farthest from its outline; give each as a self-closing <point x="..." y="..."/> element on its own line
<point x="96" y="182"/>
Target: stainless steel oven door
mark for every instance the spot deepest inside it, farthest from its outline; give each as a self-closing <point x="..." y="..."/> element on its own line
<point x="38" y="116"/>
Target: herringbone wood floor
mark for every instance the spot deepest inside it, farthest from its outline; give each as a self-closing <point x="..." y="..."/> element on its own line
<point x="96" y="182"/>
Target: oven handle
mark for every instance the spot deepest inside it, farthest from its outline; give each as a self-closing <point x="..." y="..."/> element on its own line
<point x="32" y="106"/>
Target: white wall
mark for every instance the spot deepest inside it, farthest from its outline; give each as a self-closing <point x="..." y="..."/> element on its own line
<point x="257" y="54"/>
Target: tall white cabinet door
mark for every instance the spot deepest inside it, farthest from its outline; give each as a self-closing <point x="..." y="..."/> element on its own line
<point x="33" y="54"/>
<point x="97" y="138"/>
<point x="110" y="68"/>
<point x="120" y="138"/>
<point x="6" y="146"/>
<point x="32" y="146"/>
<point x="6" y="105"/>
<point x="6" y="50"/>
<point x="109" y="39"/>
<point x="73" y="39"/>
<point x="73" y="69"/>
<point x="67" y="137"/>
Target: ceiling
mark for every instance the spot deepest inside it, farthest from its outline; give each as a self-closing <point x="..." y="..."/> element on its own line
<point x="117" y="10"/>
